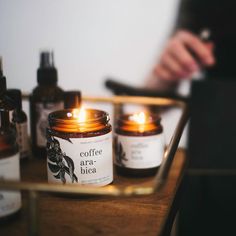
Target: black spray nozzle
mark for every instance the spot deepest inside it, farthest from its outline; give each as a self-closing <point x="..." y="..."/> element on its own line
<point x="46" y="59"/>
<point x="46" y="73"/>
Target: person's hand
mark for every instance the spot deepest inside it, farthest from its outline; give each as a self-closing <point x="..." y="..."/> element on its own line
<point x="185" y="54"/>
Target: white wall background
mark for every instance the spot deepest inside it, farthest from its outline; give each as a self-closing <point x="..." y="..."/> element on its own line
<point x="91" y="39"/>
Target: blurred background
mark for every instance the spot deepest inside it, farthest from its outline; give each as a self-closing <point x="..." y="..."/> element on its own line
<point x="91" y="40"/>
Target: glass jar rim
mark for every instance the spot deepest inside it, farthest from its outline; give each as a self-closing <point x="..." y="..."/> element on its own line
<point x="129" y="126"/>
<point x="95" y="119"/>
<point x="153" y="119"/>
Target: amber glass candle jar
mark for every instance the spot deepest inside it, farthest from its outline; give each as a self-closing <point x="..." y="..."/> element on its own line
<point x="79" y="147"/>
<point x="139" y="144"/>
<point x="10" y="202"/>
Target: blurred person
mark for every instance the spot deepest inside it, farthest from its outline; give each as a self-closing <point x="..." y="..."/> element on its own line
<point x="185" y="53"/>
<point x="184" y="56"/>
<point x="209" y="202"/>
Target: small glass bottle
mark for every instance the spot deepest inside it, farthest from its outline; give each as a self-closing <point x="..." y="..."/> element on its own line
<point x="79" y="147"/>
<point x="19" y="118"/>
<point x="45" y="98"/>
<point x="138" y="145"/>
<point x="10" y="202"/>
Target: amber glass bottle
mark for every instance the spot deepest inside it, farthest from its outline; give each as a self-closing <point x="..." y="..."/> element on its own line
<point x="138" y="145"/>
<point x="10" y="202"/>
<point x="45" y="98"/>
<point x="19" y="118"/>
<point x="79" y="147"/>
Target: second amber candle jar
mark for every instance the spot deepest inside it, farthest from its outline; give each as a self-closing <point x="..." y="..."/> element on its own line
<point x="139" y="144"/>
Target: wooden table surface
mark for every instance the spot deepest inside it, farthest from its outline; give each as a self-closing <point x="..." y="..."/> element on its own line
<point x="93" y="215"/>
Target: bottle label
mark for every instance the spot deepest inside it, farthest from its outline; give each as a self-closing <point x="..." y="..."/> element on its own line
<point x="42" y="111"/>
<point x="22" y="139"/>
<point x="139" y="152"/>
<point x="10" y="202"/>
<point x="80" y="160"/>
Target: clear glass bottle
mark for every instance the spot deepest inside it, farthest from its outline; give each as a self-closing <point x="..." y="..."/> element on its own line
<point x="79" y="147"/>
<point x="139" y="144"/>
<point x="10" y="202"/>
<point x="46" y="98"/>
<point x="19" y="118"/>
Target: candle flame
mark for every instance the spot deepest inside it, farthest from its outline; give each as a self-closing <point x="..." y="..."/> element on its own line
<point x="140" y="118"/>
<point x="79" y="114"/>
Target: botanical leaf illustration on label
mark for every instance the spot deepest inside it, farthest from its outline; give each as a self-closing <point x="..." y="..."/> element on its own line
<point x="58" y="162"/>
<point x="119" y="153"/>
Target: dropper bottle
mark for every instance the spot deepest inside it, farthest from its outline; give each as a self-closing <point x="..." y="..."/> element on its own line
<point x="19" y="118"/>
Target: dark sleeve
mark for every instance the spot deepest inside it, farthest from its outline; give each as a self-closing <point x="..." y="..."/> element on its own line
<point x="191" y="15"/>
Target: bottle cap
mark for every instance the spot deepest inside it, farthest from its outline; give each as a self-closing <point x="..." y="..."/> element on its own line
<point x="46" y="73"/>
<point x="72" y="99"/>
<point x="15" y="96"/>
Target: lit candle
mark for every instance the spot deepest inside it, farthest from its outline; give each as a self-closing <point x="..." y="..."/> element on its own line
<point x="78" y="114"/>
<point x="140" y="121"/>
<point x="79" y="147"/>
<point x="139" y="144"/>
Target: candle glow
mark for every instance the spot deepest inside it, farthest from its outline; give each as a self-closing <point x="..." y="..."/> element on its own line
<point x="140" y="118"/>
<point x="79" y="114"/>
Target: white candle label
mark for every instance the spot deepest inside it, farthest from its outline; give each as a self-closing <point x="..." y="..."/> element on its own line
<point x="22" y="139"/>
<point x="10" y="202"/>
<point x="85" y="161"/>
<point x="139" y="152"/>
<point x="42" y="112"/>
